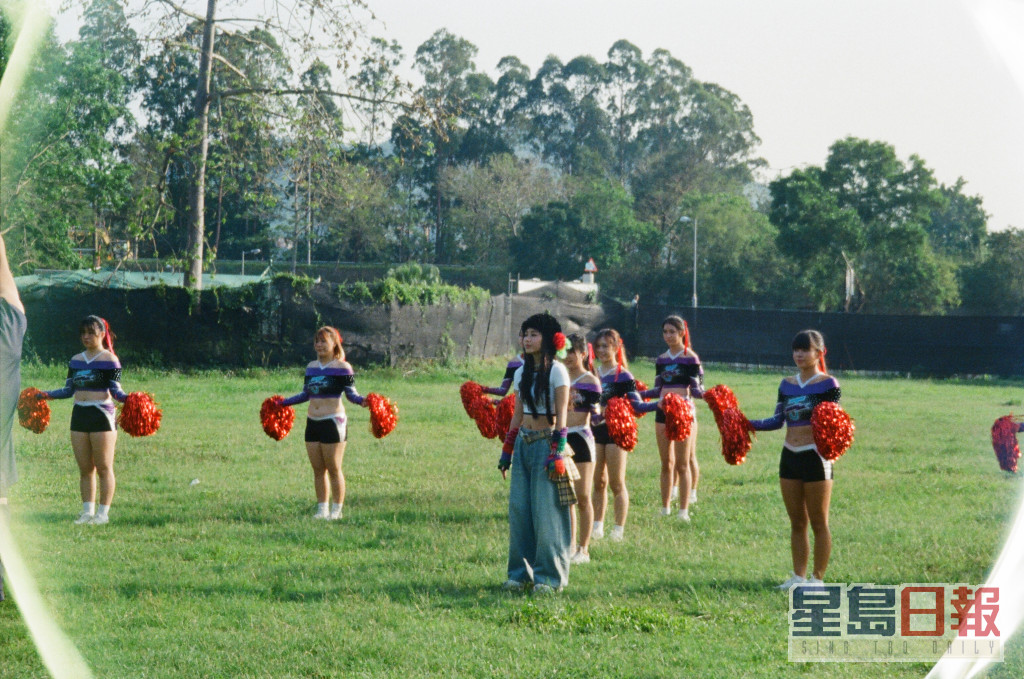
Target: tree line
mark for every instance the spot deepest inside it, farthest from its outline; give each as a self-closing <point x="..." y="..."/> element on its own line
<point x="195" y="137"/>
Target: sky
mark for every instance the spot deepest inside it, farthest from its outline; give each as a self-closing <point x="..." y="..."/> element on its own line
<point x="942" y="79"/>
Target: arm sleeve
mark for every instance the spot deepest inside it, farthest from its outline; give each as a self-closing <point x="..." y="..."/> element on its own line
<point x="67" y="391"/>
<point x="655" y="391"/>
<point x="353" y="396"/>
<point x="300" y="397"/>
<point x="770" y="423"/>
<point x="501" y="390"/>
<point x="697" y="384"/>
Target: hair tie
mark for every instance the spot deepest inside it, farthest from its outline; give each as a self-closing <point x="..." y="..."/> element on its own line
<point x="107" y="340"/>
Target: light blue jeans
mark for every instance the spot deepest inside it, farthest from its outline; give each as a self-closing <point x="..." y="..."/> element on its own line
<point x="538" y="526"/>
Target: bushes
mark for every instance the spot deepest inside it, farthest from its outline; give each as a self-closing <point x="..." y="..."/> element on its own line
<point x="410" y="284"/>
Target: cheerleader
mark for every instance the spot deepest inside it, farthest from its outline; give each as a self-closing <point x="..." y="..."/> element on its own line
<point x="94" y="379"/>
<point x="609" y="459"/>
<point x="328" y="378"/>
<point x="584" y="395"/>
<point x="805" y="476"/>
<point x="540" y="492"/>
<point x="678" y="371"/>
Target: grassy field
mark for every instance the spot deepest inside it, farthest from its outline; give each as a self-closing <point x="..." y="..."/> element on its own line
<point x="231" y="577"/>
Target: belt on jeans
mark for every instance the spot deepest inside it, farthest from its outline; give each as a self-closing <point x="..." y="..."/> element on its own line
<point x="531" y="435"/>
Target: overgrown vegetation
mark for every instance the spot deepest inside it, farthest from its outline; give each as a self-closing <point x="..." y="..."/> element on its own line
<point x="411" y="283"/>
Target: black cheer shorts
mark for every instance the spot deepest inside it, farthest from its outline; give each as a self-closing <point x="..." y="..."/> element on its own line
<point x="330" y="430"/>
<point x="805" y="465"/>
<point x="91" y="419"/>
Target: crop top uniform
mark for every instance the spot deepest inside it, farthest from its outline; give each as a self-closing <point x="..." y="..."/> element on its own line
<point x="92" y="375"/>
<point x="327" y="381"/>
<point x="617" y="383"/>
<point x="584" y="397"/>
<point x="675" y="372"/>
<point x="794" y="408"/>
<point x="506" y="382"/>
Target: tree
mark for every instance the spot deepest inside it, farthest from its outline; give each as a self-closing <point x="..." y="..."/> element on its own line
<point x="550" y="243"/>
<point x="871" y="210"/>
<point x="304" y="30"/>
<point x="995" y="285"/>
<point x="958" y="227"/>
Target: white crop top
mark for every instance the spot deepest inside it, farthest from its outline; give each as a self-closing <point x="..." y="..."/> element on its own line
<point x="559" y="378"/>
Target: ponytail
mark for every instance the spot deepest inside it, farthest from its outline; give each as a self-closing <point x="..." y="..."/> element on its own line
<point x="821" y="360"/>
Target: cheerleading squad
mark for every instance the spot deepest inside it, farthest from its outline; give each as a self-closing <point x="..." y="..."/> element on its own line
<point x="94" y="382"/>
<point x="573" y="425"/>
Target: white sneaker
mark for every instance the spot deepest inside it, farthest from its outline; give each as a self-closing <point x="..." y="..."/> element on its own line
<point x="335" y="515"/>
<point x="513" y="586"/>
<point x="617" y="534"/>
<point x="683" y="515"/>
<point x="84" y="517"/>
<point x="793" y="580"/>
<point x="693" y="496"/>
<point x="579" y="557"/>
<point x="100" y="519"/>
<point x="544" y="590"/>
<point x="814" y="581"/>
<point x="597" y="533"/>
<point x="675" y="494"/>
<point x="665" y="511"/>
<point x="322" y="514"/>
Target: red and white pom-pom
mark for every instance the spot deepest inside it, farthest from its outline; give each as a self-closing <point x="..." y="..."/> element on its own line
<point x="621" y="423"/>
<point x="33" y="411"/>
<point x="719" y="399"/>
<point x="140" y="415"/>
<point x="505" y="410"/>
<point x="736" y="432"/>
<point x="1004" y="443"/>
<point x="471" y="392"/>
<point x="833" y="430"/>
<point x="277" y="419"/>
<point x="383" y="415"/>
<point x="678" y="416"/>
<point x="640" y="386"/>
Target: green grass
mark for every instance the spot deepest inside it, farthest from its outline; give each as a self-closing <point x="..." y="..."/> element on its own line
<point x="231" y="577"/>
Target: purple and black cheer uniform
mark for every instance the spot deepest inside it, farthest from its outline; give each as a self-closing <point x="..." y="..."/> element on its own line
<point x="619" y="383"/>
<point x="506" y="382"/>
<point x="327" y="382"/>
<point x="583" y="398"/>
<point x="94" y="375"/>
<point x="674" y="372"/>
<point x="793" y="409"/>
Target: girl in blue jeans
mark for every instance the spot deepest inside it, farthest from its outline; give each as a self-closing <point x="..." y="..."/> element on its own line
<point x="535" y="450"/>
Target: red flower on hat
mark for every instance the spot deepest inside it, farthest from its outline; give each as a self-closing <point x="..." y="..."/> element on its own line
<point x="559" y="341"/>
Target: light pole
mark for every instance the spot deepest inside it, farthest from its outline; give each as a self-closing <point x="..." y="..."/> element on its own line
<point x="683" y="220"/>
<point x="256" y="251"/>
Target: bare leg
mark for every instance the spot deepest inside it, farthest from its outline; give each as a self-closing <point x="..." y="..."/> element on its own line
<point x="617" y="459"/>
<point x="683" y="449"/>
<point x="817" y="496"/>
<point x="694" y="467"/>
<point x="82" y="446"/>
<point x="333" y="455"/>
<point x="316" y="460"/>
<point x="666" y="450"/>
<point x="799" y="542"/>
<point x="600" y="498"/>
<point x="584" y="486"/>
<point x="103" y="443"/>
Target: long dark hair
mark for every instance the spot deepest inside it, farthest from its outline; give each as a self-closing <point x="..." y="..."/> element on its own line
<point x="535" y="379"/>
<point x="579" y="344"/>
<point x="613" y="337"/>
<point x="101" y="326"/>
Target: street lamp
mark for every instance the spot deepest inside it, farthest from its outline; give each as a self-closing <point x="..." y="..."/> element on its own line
<point x="255" y="251"/>
<point x="683" y="220"/>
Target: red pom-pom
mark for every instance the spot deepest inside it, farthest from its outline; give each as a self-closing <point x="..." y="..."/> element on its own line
<point x="470" y="392"/>
<point x="736" y="431"/>
<point x="383" y="415"/>
<point x="621" y="423"/>
<point x="140" y="415"/>
<point x="559" y="466"/>
<point x="559" y="341"/>
<point x="506" y="409"/>
<point x="1004" y="442"/>
<point x="833" y="430"/>
<point x="277" y="419"/>
<point x="481" y="409"/>
<point x="33" y="411"/>
<point x="678" y="416"/>
<point x="719" y="399"/>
